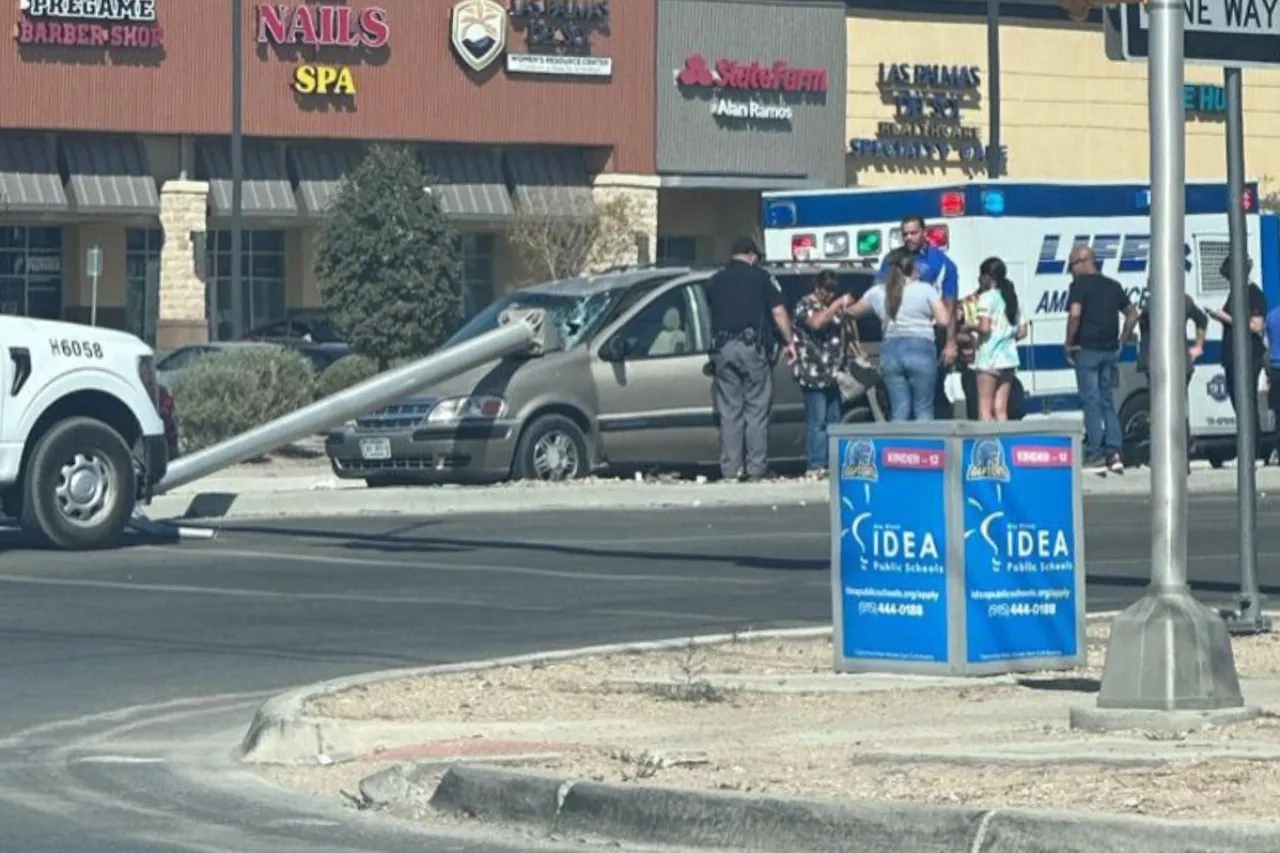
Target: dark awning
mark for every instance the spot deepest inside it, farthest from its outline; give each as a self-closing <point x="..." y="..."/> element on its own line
<point x="550" y="182"/>
<point x="110" y="174"/>
<point x="469" y="182"/>
<point x="266" y="188"/>
<point x="29" y="178"/>
<point x="319" y="170"/>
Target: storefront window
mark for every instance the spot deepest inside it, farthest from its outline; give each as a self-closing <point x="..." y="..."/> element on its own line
<point x="142" y="281"/>
<point x="31" y="272"/>
<point x="262" y="285"/>
<point x="477" y="252"/>
<point x="677" y="251"/>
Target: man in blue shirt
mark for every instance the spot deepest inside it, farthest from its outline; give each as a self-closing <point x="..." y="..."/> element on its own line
<point x="1273" y="376"/>
<point x="934" y="267"/>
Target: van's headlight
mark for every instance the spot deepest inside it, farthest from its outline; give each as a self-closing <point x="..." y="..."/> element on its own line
<point x="453" y="409"/>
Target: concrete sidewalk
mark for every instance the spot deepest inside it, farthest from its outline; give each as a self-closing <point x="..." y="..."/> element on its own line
<point x="295" y="489"/>
<point x="710" y="745"/>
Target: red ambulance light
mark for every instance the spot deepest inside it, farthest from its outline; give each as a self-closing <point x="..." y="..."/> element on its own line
<point x="953" y="204"/>
<point x="937" y="236"/>
<point x="802" y="246"/>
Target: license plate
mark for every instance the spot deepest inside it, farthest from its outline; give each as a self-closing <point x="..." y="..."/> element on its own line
<point x="375" y="448"/>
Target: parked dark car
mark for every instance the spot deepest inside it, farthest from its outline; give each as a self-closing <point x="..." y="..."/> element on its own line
<point x="303" y="326"/>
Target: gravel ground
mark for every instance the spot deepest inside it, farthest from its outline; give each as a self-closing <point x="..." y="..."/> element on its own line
<point x="666" y="719"/>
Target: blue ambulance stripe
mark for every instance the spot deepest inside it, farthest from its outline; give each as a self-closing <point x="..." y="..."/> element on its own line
<point x="832" y="208"/>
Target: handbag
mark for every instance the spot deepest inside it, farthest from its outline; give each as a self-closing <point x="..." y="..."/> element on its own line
<point x="856" y="375"/>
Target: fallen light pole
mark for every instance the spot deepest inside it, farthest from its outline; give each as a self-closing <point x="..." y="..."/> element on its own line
<point x="520" y="331"/>
<point x="1169" y="661"/>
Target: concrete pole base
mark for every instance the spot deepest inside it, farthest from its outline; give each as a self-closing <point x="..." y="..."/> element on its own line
<point x="1168" y="652"/>
<point x="1158" y="722"/>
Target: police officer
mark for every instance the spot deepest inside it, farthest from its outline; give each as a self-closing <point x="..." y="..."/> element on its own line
<point x="744" y="300"/>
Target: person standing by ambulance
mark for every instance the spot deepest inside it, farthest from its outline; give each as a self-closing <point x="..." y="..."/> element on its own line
<point x="1257" y="347"/>
<point x="1093" y="343"/>
<point x="932" y="266"/>
<point x="744" y="301"/>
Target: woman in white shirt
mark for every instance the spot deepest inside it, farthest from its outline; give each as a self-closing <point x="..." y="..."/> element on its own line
<point x="999" y="328"/>
<point x="908" y="309"/>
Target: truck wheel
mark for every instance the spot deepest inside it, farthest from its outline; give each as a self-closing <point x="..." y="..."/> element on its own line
<point x="551" y="449"/>
<point x="80" y="487"/>
<point x="1135" y="429"/>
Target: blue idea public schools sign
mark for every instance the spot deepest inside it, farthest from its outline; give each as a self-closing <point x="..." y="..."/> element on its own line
<point x="1020" y="548"/>
<point x="893" y="570"/>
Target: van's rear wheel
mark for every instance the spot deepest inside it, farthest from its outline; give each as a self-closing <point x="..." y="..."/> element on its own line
<point x="80" y="486"/>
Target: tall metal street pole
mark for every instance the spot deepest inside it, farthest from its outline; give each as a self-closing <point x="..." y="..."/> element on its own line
<point x="995" y="154"/>
<point x="237" y="154"/>
<point x="1250" y="618"/>
<point x="1168" y="652"/>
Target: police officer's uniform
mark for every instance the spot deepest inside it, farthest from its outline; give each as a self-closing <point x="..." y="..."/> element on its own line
<point x="742" y="297"/>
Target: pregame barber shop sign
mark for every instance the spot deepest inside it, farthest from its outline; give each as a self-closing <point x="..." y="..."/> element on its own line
<point x="89" y="23"/>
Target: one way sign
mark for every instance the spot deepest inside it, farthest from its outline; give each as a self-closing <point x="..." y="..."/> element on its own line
<point x="1240" y="33"/>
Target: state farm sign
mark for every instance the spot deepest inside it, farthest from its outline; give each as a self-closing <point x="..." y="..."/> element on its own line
<point x="779" y="76"/>
<point x="750" y="91"/>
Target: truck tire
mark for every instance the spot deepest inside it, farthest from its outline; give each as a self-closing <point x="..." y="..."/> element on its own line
<point x="1135" y="430"/>
<point x="79" y="487"/>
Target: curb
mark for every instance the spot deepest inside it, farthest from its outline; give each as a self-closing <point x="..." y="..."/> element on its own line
<point x="730" y="820"/>
<point x="281" y="733"/>
<point x="213" y="504"/>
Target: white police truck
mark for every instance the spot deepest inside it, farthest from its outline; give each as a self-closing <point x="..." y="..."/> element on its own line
<point x="81" y="436"/>
<point x="1032" y="226"/>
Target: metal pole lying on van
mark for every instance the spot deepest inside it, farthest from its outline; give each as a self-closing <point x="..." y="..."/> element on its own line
<point x="521" y="330"/>
<point x="1168" y="652"/>
<point x="1249" y="619"/>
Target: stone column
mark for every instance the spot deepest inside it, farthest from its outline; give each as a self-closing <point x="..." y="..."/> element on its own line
<point x="639" y="195"/>
<point x="183" y="307"/>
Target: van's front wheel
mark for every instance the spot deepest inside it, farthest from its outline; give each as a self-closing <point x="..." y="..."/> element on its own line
<point x="80" y="486"/>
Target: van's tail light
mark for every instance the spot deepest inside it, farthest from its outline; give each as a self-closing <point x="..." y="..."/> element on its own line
<point x="802" y="246"/>
<point x="938" y="236"/>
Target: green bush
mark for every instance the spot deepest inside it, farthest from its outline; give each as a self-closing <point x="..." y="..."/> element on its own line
<point x="220" y="395"/>
<point x="344" y="373"/>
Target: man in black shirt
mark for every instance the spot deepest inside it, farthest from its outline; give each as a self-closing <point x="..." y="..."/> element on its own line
<point x="1194" y="350"/>
<point x="1094" y="340"/>
<point x="744" y="300"/>
<point x="1257" y="345"/>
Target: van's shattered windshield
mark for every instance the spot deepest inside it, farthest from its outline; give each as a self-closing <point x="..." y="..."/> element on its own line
<point x="575" y="313"/>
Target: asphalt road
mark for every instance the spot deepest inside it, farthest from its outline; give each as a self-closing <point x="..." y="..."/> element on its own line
<point x="128" y="677"/>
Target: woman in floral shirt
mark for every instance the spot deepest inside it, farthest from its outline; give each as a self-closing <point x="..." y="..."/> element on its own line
<point x="819" y="354"/>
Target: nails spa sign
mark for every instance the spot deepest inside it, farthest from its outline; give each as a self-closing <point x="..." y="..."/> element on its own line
<point x="118" y="24"/>
<point x="320" y="25"/>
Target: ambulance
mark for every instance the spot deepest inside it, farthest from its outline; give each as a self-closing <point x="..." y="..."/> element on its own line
<point x="1032" y="226"/>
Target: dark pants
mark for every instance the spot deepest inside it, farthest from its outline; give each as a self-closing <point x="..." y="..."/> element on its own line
<point x="743" y="389"/>
<point x="821" y="409"/>
<point x="1191" y="370"/>
<point x="1229" y="369"/>
<point x="1097" y="374"/>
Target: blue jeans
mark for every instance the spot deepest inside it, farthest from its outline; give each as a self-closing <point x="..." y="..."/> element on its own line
<point x="1097" y="373"/>
<point x="821" y="407"/>
<point x="910" y="370"/>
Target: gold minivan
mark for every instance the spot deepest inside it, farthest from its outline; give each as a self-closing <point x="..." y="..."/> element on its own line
<point x="630" y="391"/>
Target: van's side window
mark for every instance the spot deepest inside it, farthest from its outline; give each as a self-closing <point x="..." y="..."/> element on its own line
<point x="665" y="327"/>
